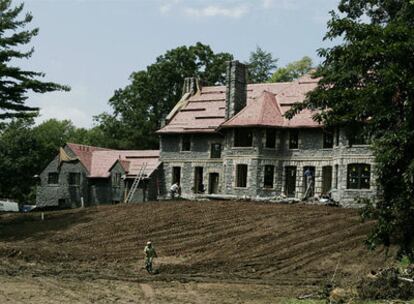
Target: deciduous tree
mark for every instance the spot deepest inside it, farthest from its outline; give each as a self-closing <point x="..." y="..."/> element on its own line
<point x="139" y="108"/>
<point x="292" y="71"/>
<point x="368" y="79"/>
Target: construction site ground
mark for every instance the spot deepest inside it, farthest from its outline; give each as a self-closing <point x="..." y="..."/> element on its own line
<point x="209" y="252"/>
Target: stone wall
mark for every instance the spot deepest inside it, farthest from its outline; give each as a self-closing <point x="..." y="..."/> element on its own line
<point x="93" y="191"/>
<point x="310" y="152"/>
<point x="63" y="194"/>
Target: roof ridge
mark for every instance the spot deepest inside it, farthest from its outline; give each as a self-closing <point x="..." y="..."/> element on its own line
<point x="262" y="110"/>
<point x="89" y="146"/>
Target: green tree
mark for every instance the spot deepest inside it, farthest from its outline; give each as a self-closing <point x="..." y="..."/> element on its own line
<point x="26" y="149"/>
<point x="292" y="71"/>
<point x="15" y="83"/>
<point x="368" y="79"/>
<point x="139" y="108"/>
<point x="261" y="65"/>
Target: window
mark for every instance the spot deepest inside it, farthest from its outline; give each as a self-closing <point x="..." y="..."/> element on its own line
<point x="241" y="176"/>
<point x="116" y="179"/>
<point x="358" y="138"/>
<point x="243" y="137"/>
<point x="269" y="172"/>
<point x="53" y="178"/>
<point x="176" y="175"/>
<point x="62" y="202"/>
<point x="336" y="176"/>
<point x="337" y="137"/>
<point x="293" y="139"/>
<point x="186" y="143"/>
<point x="74" y="179"/>
<point x="358" y="176"/>
<point x="215" y="150"/>
<point x="270" y="138"/>
<point x="328" y="139"/>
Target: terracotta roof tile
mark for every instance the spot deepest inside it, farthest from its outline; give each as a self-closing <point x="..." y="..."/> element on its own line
<point x="204" y="112"/>
<point x="265" y="111"/>
<point x="98" y="161"/>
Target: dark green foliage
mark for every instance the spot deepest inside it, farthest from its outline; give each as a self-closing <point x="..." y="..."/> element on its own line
<point x="368" y="80"/>
<point x="15" y="82"/>
<point x="292" y="71"/>
<point x="261" y="65"/>
<point x="26" y="149"/>
<point x="139" y="108"/>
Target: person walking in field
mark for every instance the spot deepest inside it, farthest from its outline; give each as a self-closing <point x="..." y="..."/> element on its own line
<point x="150" y="254"/>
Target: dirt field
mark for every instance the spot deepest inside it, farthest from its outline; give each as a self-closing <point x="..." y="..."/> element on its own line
<point x="210" y="252"/>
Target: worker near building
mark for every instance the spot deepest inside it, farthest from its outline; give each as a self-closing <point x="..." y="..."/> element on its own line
<point x="150" y="254"/>
<point x="175" y="190"/>
<point x="309" y="183"/>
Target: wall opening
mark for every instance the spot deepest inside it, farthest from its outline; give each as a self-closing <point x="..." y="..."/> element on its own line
<point x="326" y="179"/>
<point x="198" y="180"/>
<point x="290" y="181"/>
<point x="269" y="174"/>
<point x="241" y="176"/>
<point x="176" y="175"/>
<point x="213" y="183"/>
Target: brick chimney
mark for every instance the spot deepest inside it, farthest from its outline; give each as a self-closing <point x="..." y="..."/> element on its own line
<point x="236" y="88"/>
<point x="190" y="85"/>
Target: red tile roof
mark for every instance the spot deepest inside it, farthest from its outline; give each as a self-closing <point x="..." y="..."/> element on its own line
<point x="204" y="112"/>
<point x="265" y="112"/>
<point x="84" y="153"/>
<point x="98" y="161"/>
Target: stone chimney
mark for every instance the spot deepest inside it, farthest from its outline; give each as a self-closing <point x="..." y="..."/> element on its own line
<point x="190" y="85"/>
<point x="236" y="88"/>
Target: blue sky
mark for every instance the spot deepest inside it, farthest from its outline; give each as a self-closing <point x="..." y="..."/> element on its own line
<point x="94" y="45"/>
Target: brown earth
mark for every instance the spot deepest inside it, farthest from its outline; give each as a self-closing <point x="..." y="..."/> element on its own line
<point x="209" y="252"/>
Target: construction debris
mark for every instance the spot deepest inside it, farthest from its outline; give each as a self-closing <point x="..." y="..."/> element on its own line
<point x="388" y="283"/>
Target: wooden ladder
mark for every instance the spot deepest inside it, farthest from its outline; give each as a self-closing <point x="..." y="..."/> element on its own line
<point x="135" y="184"/>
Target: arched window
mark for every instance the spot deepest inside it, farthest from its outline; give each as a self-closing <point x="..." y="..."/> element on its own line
<point x="358" y="176"/>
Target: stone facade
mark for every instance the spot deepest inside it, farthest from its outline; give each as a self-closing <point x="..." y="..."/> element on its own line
<point x="63" y="194"/>
<point x="310" y="153"/>
<point x="66" y="184"/>
<point x="242" y="171"/>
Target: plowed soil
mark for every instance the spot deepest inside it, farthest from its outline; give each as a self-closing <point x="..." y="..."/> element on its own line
<point x="209" y="252"/>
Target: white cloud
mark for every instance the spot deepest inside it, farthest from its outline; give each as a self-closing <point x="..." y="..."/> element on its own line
<point x="167" y="6"/>
<point x="76" y="105"/>
<point x="283" y="4"/>
<point x="218" y="10"/>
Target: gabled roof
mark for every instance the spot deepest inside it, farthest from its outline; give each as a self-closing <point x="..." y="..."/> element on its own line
<point x="84" y="153"/>
<point x="204" y="112"/>
<point x="103" y="161"/>
<point x="264" y="111"/>
<point x="99" y="161"/>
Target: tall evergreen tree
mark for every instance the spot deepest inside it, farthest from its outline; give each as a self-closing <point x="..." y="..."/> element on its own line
<point x="368" y="79"/>
<point x="261" y="65"/>
<point x="15" y="82"/>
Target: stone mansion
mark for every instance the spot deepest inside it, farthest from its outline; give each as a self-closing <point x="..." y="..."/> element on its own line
<point x="233" y="141"/>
